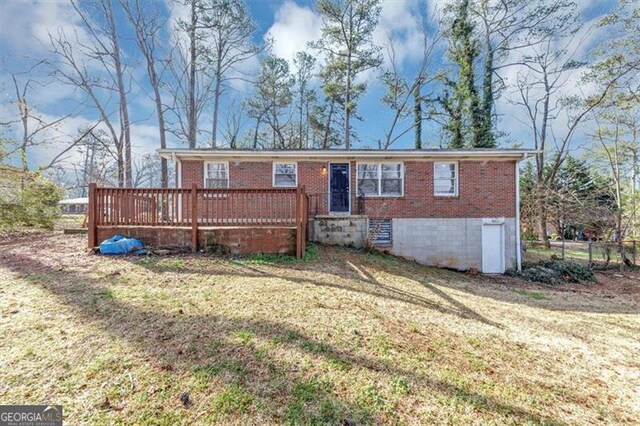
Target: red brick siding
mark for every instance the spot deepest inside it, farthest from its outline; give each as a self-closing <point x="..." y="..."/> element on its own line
<point x="192" y="172"/>
<point x="486" y="188"/>
<point x="250" y="174"/>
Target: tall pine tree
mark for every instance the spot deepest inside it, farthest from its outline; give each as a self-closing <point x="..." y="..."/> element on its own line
<point x="467" y="125"/>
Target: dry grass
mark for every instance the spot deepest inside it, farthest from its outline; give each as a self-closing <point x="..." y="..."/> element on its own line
<point x="70" y="221"/>
<point x="344" y="338"/>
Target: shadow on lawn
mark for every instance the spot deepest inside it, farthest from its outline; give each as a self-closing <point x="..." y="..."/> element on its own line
<point x="178" y="342"/>
<point x="351" y="277"/>
<point x="349" y="270"/>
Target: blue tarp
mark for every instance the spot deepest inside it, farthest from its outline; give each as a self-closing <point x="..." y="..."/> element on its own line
<point x="119" y="244"/>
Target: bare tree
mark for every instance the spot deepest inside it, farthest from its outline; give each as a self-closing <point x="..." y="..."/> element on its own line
<point x="230" y="28"/>
<point x="509" y="26"/>
<point x="98" y="160"/>
<point x="37" y="131"/>
<point x="33" y="125"/>
<point x="189" y="87"/>
<point x="232" y="124"/>
<point x="401" y="91"/>
<point x="618" y="139"/>
<point x="102" y="47"/>
<point x="146" y="172"/>
<point x="192" y="114"/>
<point x="305" y="65"/>
<point x="540" y="89"/>
<point x="148" y="25"/>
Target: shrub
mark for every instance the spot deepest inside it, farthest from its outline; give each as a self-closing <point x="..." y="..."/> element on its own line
<point x="31" y="201"/>
<point x="555" y="272"/>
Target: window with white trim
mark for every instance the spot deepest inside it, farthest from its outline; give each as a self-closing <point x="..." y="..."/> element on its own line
<point x="285" y="175"/>
<point x="216" y="175"/>
<point x="380" y="179"/>
<point x="445" y="179"/>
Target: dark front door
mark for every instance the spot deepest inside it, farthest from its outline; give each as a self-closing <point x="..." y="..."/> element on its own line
<point x="339" y="187"/>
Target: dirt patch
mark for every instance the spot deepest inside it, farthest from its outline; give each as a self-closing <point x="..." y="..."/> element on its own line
<point x="21" y="235"/>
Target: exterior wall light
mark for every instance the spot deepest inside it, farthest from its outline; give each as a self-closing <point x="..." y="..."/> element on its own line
<point x="324" y="170"/>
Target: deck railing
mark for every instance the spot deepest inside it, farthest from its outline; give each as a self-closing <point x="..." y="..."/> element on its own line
<point x="197" y="208"/>
<point x="319" y="203"/>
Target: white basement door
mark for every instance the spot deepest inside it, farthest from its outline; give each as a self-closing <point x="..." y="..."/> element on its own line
<point x="493" y="246"/>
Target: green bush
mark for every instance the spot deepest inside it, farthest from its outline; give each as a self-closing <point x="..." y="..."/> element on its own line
<point x="35" y="205"/>
<point x="555" y="272"/>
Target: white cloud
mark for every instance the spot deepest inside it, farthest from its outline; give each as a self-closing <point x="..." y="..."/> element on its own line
<point x="294" y="27"/>
<point x="25" y="25"/>
<point x="399" y="23"/>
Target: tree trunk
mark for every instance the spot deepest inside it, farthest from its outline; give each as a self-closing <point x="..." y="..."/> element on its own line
<point x="543" y="225"/>
<point x="417" y="114"/>
<point x="347" y="109"/>
<point x="164" y="171"/>
<point x="347" y="98"/>
<point x="85" y="170"/>
<point x="634" y="201"/>
<point x="255" y="133"/>
<point x="327" y="128"/>
<point x="25" y="141"/>
<point x="122" y="92"/>
<point x="487" y="98"/>
<point x="121" y="167"/>
<point x="191" y="113"/>
<point x="216" y="106"/>
<point x="301" y="111"/>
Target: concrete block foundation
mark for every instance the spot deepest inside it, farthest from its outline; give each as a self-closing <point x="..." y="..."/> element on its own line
<point x="339" y="230"/>
<point x="449" y="243"/>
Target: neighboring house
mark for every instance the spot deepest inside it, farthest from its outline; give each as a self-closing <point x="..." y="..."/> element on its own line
<point x="74" y="205"/>
<point x="450" y="208"/>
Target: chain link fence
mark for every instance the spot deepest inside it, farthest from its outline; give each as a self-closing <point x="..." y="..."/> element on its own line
<point x="597" y="254"/>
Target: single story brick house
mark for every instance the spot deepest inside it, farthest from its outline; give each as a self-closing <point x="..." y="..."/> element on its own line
<point x="449" y="208"/>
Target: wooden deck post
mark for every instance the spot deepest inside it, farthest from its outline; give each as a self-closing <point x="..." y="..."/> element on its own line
<point x="92" y="226"/>
<point x="301" y="222"/>
<point x="299" y="253"/>
<point x="305" y="219"/>
<point x="194" y="217"/>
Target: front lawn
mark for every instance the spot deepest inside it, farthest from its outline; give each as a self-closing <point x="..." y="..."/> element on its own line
<point x="340" y="338"/>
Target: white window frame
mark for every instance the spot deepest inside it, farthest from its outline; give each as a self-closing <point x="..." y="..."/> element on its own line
<point x="456" y="183"/>
<point x="380" y="194"/>
<point x="206" y="173"/>
<point x="273" y="174"/>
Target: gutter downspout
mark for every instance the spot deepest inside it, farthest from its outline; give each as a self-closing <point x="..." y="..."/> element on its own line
<point x="518" y="241"/>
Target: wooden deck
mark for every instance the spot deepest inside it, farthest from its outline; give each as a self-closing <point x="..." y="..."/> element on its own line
<point x="198" y="208"/>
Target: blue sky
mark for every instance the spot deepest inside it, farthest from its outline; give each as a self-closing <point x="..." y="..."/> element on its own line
<point x="23" y="39"/>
